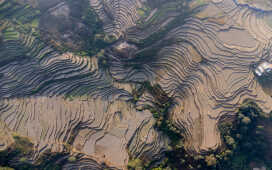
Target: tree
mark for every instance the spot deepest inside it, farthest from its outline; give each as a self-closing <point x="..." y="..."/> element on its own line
<point x="229" y="140"/>
<point x="210" y="160"/>
<point x="72" y="159"/>
<point x="135" y="164"/>
<point x="246" y="120"/>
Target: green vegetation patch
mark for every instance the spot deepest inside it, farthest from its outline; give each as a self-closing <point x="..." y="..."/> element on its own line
<point x="144" y="11"/>
<point x="245" y="139"/>
<point x="19" y="156"/>
<point x="10" y="34"/>
<point x="21" y="18"/>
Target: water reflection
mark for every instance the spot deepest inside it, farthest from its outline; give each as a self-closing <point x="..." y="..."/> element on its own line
<point x="263" y="72"/>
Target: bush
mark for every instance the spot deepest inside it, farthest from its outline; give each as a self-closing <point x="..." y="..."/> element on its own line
<point x="246" y="120"/>
<point x="72" y="159"/>
<point x="135" y="164"/>
<point x="246" y="142"/>
<point x="229" y="140"/>
<point x="210" y="160"/>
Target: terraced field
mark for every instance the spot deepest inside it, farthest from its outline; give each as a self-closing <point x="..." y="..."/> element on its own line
<point x="201" y="53"/>
<point x="207" y="68"/>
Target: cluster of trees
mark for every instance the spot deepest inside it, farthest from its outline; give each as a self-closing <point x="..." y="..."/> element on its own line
<point x="162" y="104"/>
<point x="18" y="150"/>
<point x="245" y="139"/>
<point x="18" y="156"/>
<point x="94" y="39"/>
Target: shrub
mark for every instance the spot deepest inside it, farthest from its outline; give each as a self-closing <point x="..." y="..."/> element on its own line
<point x="135" y="164"/>
<point x="72" y="159"/>
<point x="210" y="160"/>
<point x="246" y="120"/>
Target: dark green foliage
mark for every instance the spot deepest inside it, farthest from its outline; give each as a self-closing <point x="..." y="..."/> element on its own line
<point x="160" y="112"/>
<point x="18" y="156"/>
<point x="246" y="139"/>
<point x="136" y="163"/>
<point x="95" y="42"/>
